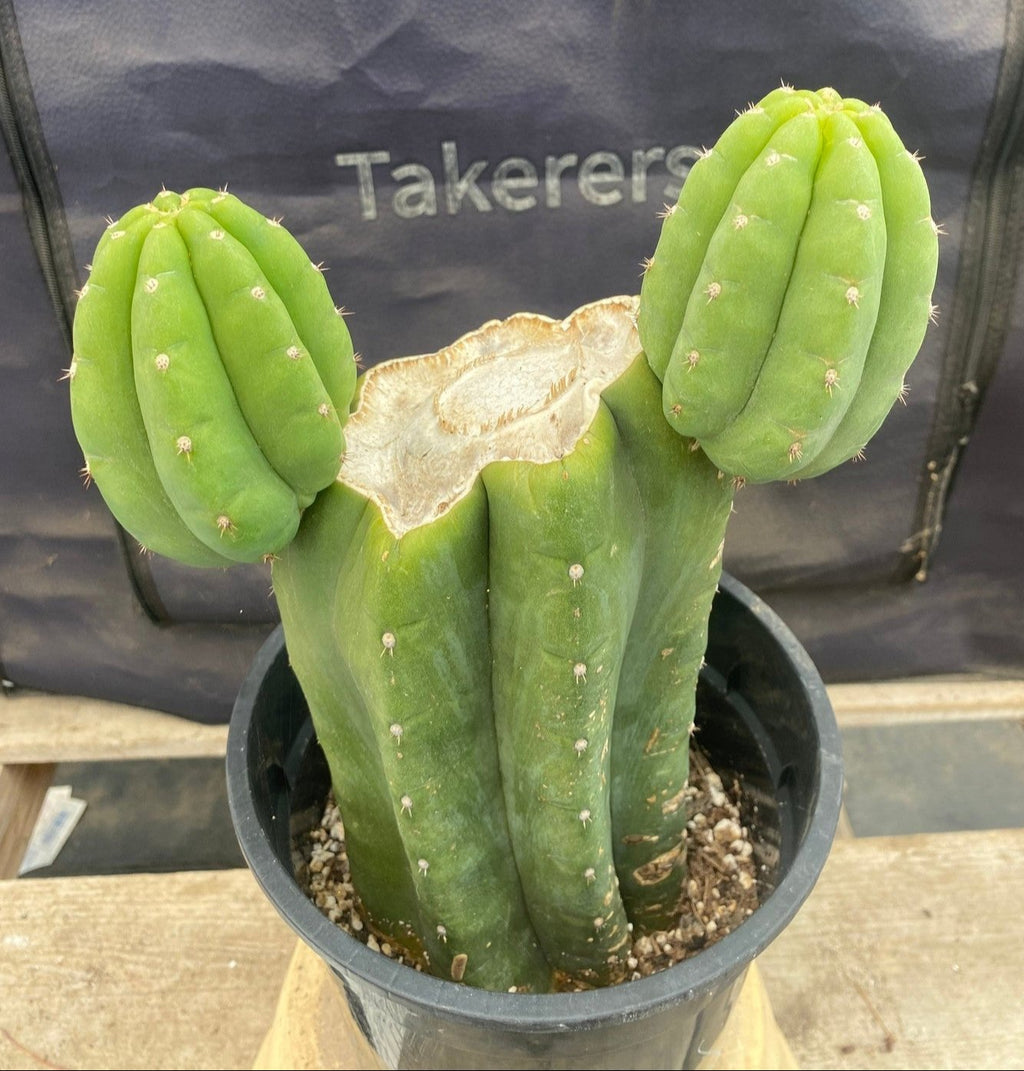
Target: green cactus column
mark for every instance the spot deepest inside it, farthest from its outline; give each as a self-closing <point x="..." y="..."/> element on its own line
<point x="686" y="503"/>
<point x="515" y="628"/>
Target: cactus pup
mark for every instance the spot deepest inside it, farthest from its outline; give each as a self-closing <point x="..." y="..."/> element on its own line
<point x="210" y="380"/>
<point x="791" y="286"/>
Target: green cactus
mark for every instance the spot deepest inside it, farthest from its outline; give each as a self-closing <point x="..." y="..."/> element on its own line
<point x="211" y="378"/>
<point x="533" y="582"/>
<point x="498" y="607"/>
<point x="791" y="286"/>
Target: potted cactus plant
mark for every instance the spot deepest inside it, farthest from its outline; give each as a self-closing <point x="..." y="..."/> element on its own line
<point x="495" y="564"/>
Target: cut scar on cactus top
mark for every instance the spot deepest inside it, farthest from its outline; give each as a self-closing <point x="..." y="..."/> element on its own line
<point x="521" y="389"/>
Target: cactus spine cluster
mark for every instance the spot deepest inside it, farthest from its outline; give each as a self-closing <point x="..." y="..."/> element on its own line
<point x="209" y="382"/>
<point x="497" y="609"/>
<point x="791" y="286"/>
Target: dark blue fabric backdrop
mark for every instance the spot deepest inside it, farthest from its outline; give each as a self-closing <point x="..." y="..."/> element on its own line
<point x="456" y="162"/>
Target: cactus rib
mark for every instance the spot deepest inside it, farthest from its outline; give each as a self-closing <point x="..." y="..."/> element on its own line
<point x="558" y="648"/>
<point x="105" y="408"/>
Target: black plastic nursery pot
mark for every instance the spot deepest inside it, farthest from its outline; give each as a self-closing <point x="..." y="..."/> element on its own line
<point x="763" y="718"/>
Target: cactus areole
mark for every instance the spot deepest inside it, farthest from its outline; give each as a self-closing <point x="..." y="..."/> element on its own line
<point x="514" y="572"/>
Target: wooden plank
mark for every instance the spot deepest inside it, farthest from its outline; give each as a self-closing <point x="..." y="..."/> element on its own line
<point x="143" y="970"/>
<point x="36" y="727"/>
<point x="930" y="699"/>
<point x="909" y="953"/>
<point x="46" y="728"/>
<point x="313" y="1027"/>
<point x="22" y="791"/>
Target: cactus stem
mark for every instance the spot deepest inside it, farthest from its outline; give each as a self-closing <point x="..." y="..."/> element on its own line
<point x="388" y="644"/>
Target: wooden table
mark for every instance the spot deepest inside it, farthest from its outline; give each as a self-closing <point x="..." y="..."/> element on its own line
<point x="909" y="953"/>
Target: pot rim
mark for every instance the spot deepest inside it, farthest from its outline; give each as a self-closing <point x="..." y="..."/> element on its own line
<point x="704" y="973"/>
